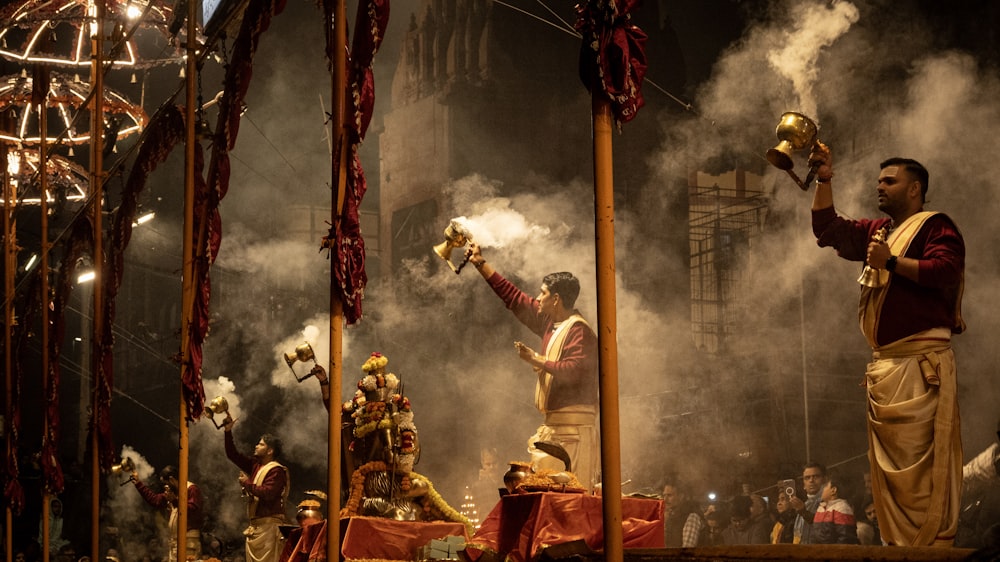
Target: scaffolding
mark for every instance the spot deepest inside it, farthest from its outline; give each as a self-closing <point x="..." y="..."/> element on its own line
<point x="723" y="223"/>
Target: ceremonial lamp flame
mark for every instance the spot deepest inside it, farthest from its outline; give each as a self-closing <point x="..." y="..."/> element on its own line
<point x="218" y="405"/>
<point x="303" y="352"/>
<point x="456" y="236"/>
<point x="795" y="132"/>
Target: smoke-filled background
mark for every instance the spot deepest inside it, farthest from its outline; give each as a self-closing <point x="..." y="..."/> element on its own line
<point x="880" y="78"/>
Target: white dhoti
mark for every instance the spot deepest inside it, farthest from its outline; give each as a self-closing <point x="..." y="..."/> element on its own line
<point x="915" y="446"/>
<point x="264" y="540"/>
<point x="192" y="540"/>
<point x="575" y="430"/>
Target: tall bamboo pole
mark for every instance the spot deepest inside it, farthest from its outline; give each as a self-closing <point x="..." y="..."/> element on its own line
<point x="9" y="246"/>
<point x="188" y="272"/>
<point x="607" y="326"/>
<point x="96" y="207"/>
<point x="43" y="270"/>
<point x="338" y="102"/>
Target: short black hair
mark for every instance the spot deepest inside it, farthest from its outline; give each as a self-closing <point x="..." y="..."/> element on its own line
<point x="565" y="285"/>
<point x="913" y="167"/>
<point x="273" y="442"/>
<point x="821" y="467"/>
<point x="168" y="472"/>
<point x="740" y="506"/>
<point x="835" y="481"/>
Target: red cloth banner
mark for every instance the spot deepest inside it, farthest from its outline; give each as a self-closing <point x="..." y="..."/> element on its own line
<point x="613" y="54"/>
<point x="164" y="131"/>
<point x="209" y="193"/>
<point x="348" y="246"/>
<point x="79" y="243"/>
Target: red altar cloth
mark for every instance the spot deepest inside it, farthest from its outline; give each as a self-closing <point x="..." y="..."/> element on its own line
<point x="522" y="525"/>
<point x="368" y="538"/>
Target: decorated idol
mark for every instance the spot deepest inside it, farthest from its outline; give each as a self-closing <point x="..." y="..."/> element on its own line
<point x="382" y="449"/>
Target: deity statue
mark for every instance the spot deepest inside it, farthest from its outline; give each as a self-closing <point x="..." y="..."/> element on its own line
<point x="383" y="448"/>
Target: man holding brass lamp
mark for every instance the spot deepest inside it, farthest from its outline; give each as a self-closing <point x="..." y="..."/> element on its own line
<point x="566" y="391"/>
<point x="167" y="500"/>
<point x="910" y="306"/>
<point x="264" y="483"/>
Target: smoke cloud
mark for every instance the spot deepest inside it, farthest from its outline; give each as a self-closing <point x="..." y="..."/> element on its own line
<point x="450" y="340"/>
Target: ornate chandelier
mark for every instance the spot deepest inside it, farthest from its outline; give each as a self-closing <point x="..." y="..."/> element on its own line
<point x="66" y="96"/>
<point x="58" y="32"/>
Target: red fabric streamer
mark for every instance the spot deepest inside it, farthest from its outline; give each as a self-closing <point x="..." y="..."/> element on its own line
<point x="80" y="243"/>
<point x="345" y="235"/>
<point x="369" y="31"/>
<point x="612" y="54"/>
<point x="208" y="224"/>
<point x="53" y="480"/>
<point x="209" y="193"/>
<point x="164" y="131"/>
<point x="13" y="491"/>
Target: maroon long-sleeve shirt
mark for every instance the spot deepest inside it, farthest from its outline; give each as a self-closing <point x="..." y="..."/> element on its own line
<point x="195" y="513"/>
<point x="574" y="375"/>
<point x="271" y="491"/>
<point x="910" y="307"/>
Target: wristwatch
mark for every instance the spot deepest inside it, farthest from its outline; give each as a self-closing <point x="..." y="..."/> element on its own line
<point x="890" y="264"/>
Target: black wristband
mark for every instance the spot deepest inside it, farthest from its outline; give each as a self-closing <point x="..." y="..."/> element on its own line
<point x="890" y="264"/>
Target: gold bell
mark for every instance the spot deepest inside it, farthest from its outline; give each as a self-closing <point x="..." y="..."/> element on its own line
<point x="871" y="277"/>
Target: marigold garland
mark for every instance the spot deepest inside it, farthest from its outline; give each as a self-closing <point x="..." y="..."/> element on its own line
<point x="435" y="507"/>
<point x="433" y="502"/>
<point x="350" y="509"/>
<point x="362" y="430"/>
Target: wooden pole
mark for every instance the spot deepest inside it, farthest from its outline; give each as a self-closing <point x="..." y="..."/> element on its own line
<point x="338" y="110"/>
<point x="607" y="329"/>
<point x="96" y="207"/>
<point x="43" y="271"/>
<point x="187" y="274"/>
<point x="9" y="249"/>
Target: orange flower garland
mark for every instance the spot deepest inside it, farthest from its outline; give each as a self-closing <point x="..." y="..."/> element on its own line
<point x="358" y="487"/>
<point x="434" y="506"/>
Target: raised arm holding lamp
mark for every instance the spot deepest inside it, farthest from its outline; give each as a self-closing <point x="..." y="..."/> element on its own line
<point x="910" y="305"/>
<point x="566" y="367"/>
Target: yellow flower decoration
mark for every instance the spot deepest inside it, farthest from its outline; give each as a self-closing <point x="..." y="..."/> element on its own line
<point x="376" y="362"/>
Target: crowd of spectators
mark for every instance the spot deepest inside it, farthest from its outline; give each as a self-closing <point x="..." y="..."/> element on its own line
<point x="820" y="507"/>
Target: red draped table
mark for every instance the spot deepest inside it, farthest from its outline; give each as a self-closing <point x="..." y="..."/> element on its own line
<point x="522" y="525"/>
<point x="368" y="538"/>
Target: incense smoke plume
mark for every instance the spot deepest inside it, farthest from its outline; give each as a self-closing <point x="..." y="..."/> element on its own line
<point x="450" y="340"/>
